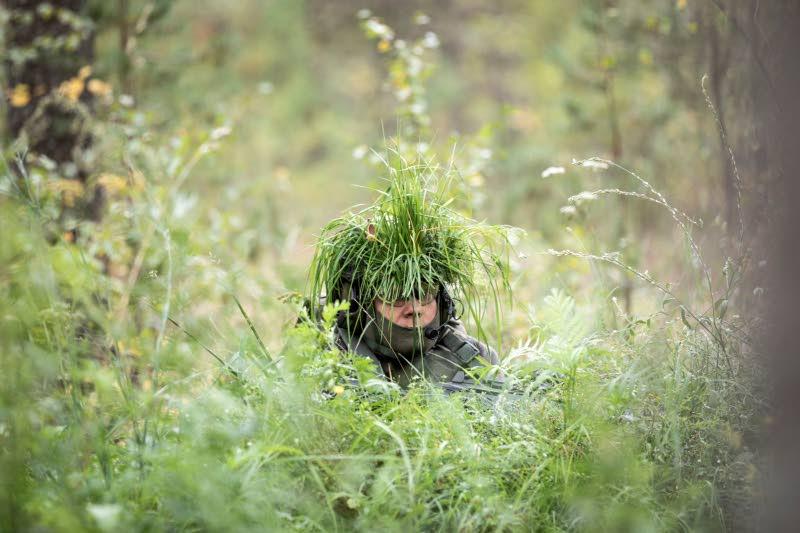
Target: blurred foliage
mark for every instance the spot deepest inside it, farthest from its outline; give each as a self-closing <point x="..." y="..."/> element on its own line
<point x="135" y="395"/>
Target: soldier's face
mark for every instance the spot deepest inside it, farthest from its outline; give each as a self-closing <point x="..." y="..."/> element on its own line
<point x="413" y="313"/>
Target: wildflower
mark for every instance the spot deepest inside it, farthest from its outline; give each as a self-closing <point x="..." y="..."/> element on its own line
<point x="265" y="87"/>
<point x="550" y="171"/>
<point x="414" y="66"/>
<point x="430" y="40"/>
<point x="485" y="153"/>
<point x="219" y="133"/>
<point x="584" y="196"/>
<point x="20" y="95"/>
<point x="594" y="164"/>
<point x="403" y="93"/>
<point x="112" y="183"/>
<point x="379" y="29"/>
<point x="71" y="189"/>
<point x="126" y="100"/>
<point x="360" y="151"/>
<point x="476" y="180"/>
<point x="99" y="87"/>
<point x="71" y="89"/>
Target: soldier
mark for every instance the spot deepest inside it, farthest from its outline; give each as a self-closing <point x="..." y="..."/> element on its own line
<point x="415" y="336"/>
<point x="399" y="263"/>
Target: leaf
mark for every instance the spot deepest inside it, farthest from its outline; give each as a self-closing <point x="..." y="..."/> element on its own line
<point x="684" y="319"/>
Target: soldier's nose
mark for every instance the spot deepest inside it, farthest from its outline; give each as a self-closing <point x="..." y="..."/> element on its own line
<point x="412" y="311"/>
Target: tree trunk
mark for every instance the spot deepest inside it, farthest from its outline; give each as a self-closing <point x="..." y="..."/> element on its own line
<point x="781" y="22"/>
<point x="49" y="52"/>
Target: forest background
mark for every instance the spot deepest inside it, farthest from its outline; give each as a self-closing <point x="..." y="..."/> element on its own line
<point x="168" y="165"/>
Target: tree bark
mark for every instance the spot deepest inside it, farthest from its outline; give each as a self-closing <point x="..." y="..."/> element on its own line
<point x="780" y="341"/>
<point x="49" y="53"/>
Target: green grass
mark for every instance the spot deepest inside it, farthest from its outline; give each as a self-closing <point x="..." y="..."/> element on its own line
<point x="637" y="428"/>
<point x="150" y="381"/>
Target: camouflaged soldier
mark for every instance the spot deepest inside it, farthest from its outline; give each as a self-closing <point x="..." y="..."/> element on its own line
<point x="399" y="263"/>
<point x="408" y="337"/>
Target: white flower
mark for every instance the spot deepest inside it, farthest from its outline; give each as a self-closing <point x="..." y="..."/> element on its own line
<point x="422" y="19"/>
<point x="549" y="171"/>
<point x="568" y="210"/>
<point x="219" y="133"/>
<point x="484" y="153"/>
<point x="476" y="180"/>
<point x="265" y="87"/>
<point x="417" y="108"/>
<point x="414" y="66"/>
<point x="430" y="40"/>
<point x="592" y="163"/>
<point x="403" y="93"/>
<point x="126" y="100"/>
<point x="360" y="151"/>
<point x="584" y="196"/>
<point x="183" y="204"/>
<point x="364" y="13"/>
<point x="379" y="29"/>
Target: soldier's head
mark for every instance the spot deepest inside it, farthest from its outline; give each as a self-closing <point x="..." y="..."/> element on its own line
<point x="399" y="260"/>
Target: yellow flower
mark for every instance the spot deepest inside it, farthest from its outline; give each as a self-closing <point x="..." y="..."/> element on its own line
<point x="85" y="72"/>
<point x="99" y="87"/>
<point x="20" y="95"/>
<point x="112" y="182"/>
<point x="71" y="89"/>
<point x="338" y="390"/>
<point x="384" y="46"/>
<point x="71" y="189"/>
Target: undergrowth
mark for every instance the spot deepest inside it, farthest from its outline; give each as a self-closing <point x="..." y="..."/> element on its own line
<point x="628" y="429"/>
<point x="118" y="415"/>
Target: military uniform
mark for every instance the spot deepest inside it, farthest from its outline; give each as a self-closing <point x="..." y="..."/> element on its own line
<point x="447" y="357"/>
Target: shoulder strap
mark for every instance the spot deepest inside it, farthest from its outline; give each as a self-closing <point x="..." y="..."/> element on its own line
<point x="464" y="347"/>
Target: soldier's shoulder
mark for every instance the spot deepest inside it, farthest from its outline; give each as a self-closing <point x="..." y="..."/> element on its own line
<point x="457" y="329"/>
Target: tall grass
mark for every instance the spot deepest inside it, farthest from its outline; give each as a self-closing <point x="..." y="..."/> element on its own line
<point x="627" y="429"/>
<point x="123" y="407"/>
